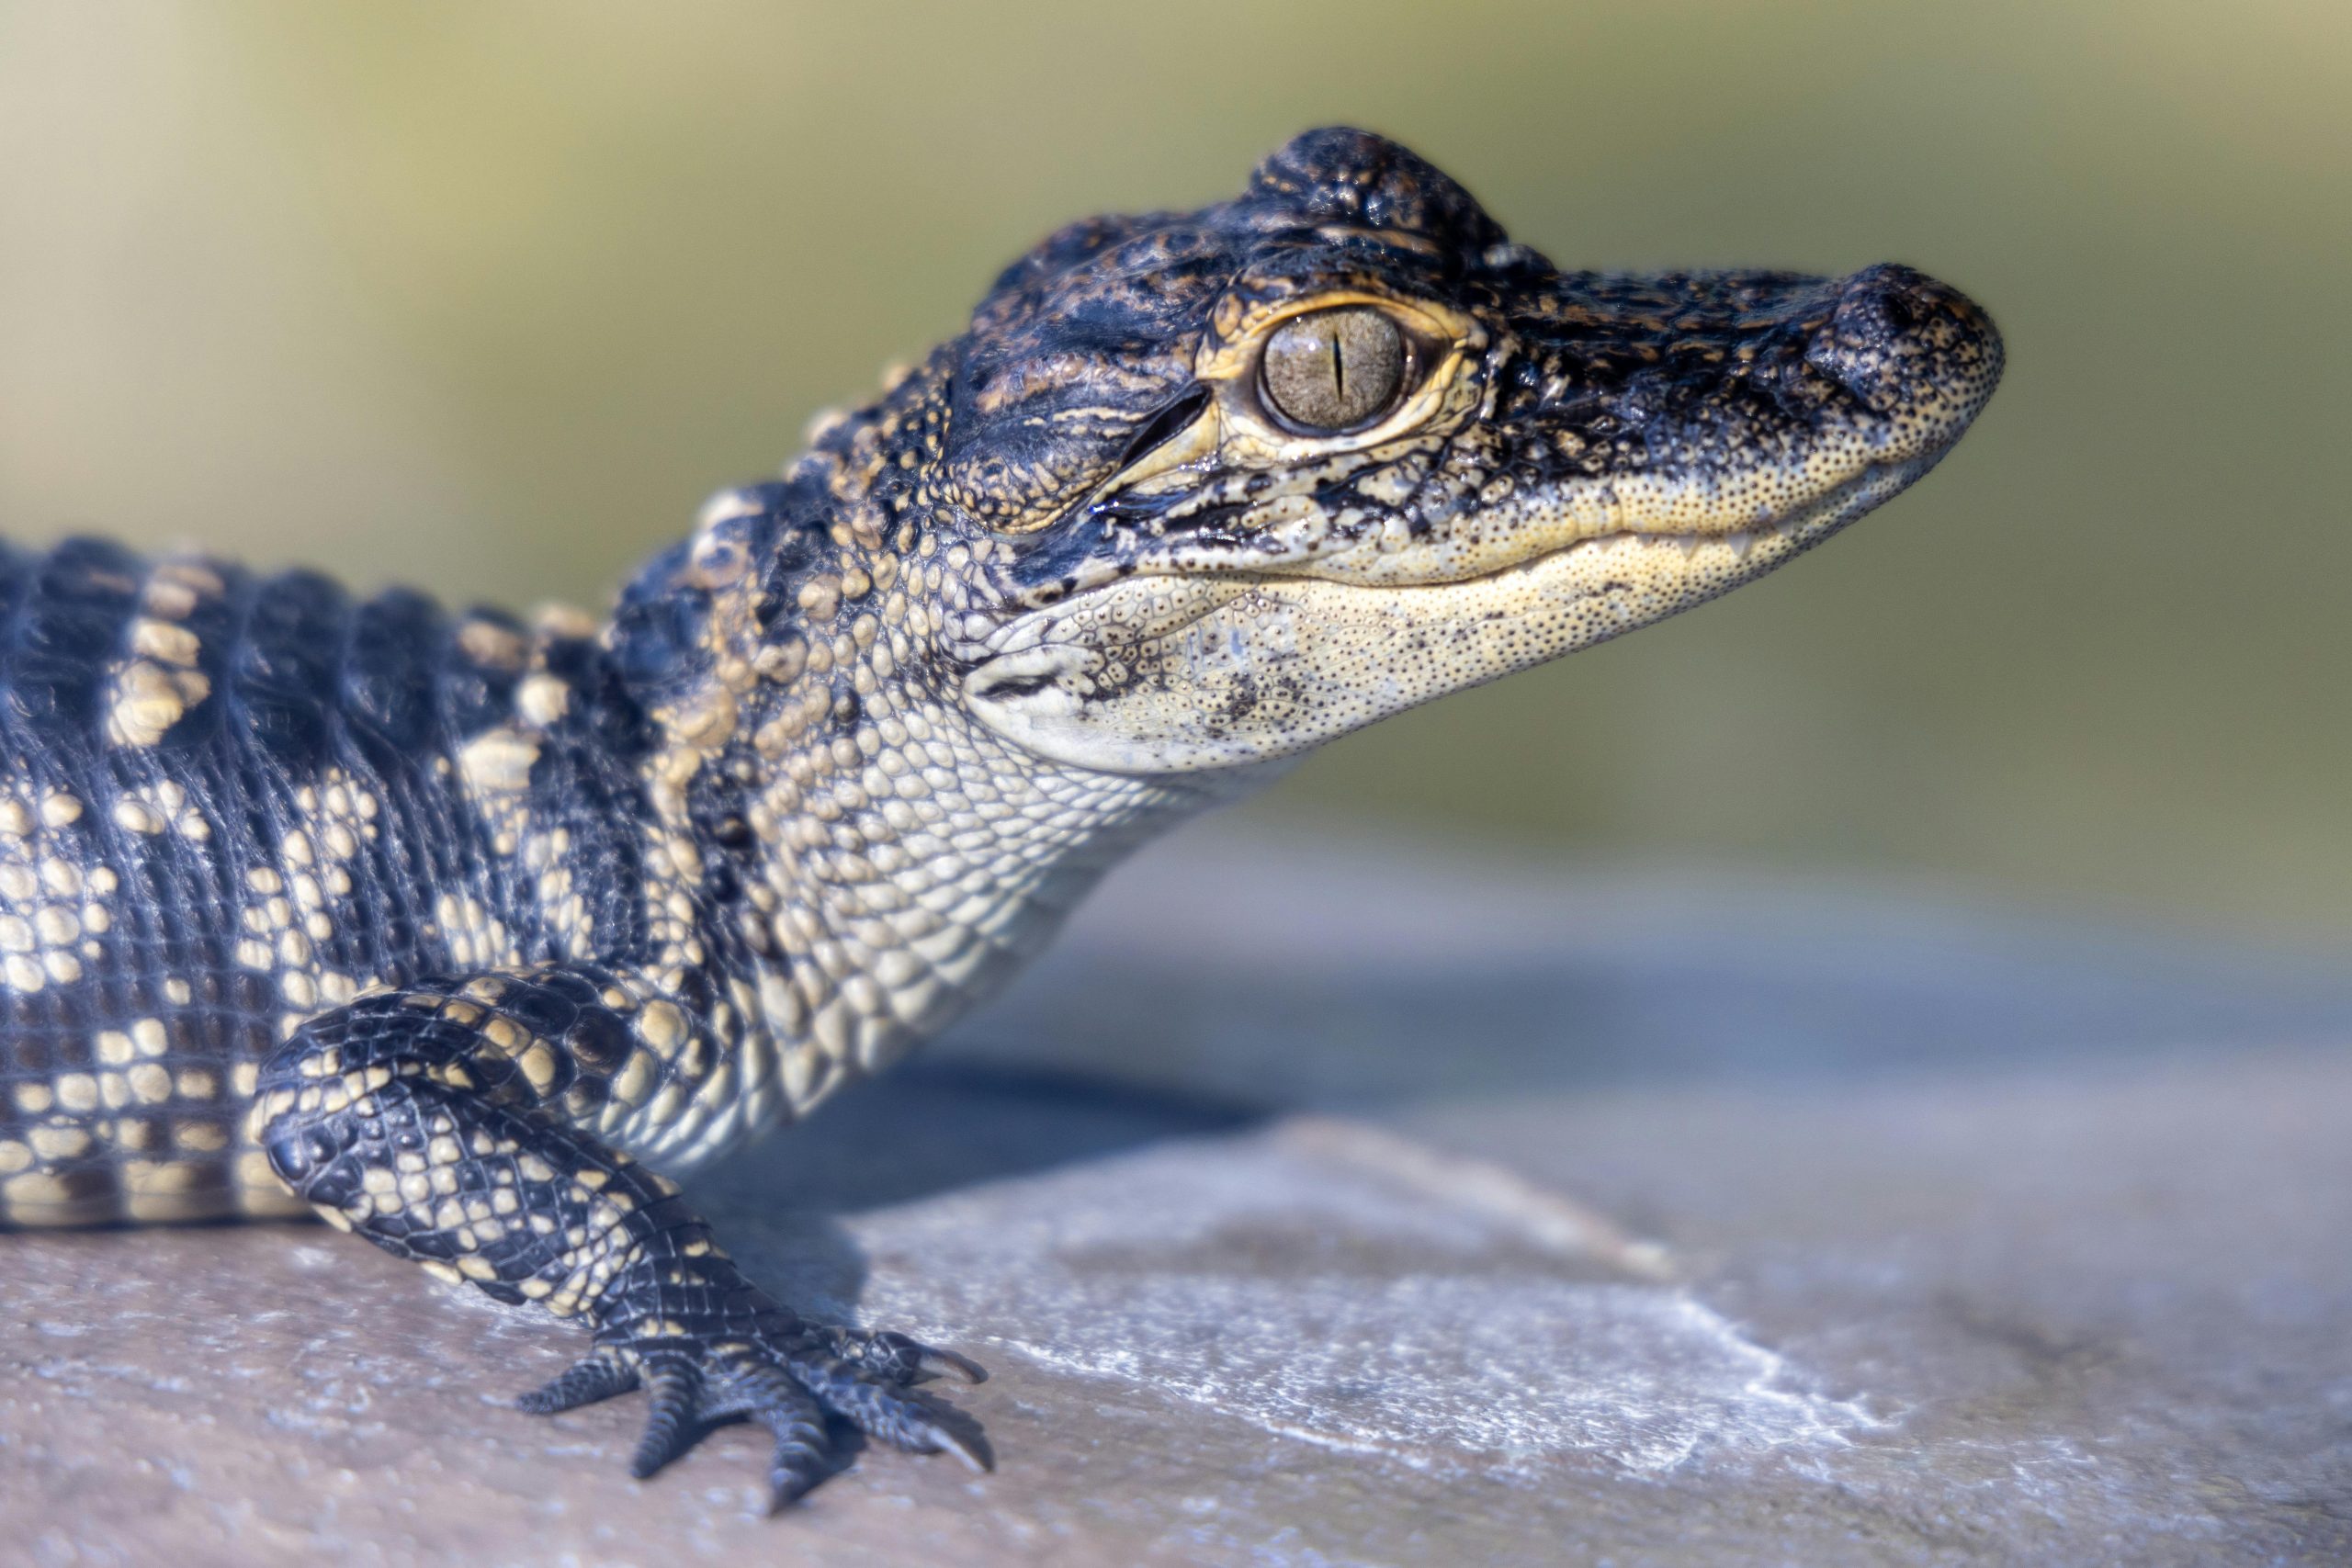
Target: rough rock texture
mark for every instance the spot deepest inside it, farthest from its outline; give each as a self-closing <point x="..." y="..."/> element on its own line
<point x="1328" y="1207"/>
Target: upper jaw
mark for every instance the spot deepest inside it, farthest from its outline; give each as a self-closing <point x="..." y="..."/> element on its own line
<point x="1712" y="411"/>
<point x="1712" y="526"/>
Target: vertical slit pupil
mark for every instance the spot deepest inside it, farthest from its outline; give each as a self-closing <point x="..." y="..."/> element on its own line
<point x="1333" y="369"/>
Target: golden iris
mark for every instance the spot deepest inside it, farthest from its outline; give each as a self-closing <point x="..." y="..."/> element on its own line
<point x="1333" y="369"/>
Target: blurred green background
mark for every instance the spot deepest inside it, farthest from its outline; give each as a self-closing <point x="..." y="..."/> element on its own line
<point x="487" y="297"/>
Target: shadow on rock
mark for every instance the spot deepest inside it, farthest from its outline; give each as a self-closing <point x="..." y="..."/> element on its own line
<point x="927" y="1127"/>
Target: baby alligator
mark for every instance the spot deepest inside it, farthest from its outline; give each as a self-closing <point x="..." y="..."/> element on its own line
<point x="474" y="935"/>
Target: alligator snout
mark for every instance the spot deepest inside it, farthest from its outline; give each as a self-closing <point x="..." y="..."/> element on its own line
<point x="1909" y="348"/>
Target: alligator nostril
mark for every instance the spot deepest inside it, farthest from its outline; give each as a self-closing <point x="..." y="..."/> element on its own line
<point x="1880" y="335"/>
<point x="1911" y="350"/>
<point x="1895" y="306"/>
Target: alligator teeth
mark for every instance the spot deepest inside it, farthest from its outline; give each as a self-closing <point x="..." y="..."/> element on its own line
<point x="1740" y="543"/>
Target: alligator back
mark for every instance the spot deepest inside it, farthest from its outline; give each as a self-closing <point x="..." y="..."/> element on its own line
<point x="227" y="801"/>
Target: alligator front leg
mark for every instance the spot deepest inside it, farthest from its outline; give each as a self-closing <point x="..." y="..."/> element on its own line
<point x="448" y="1123"/>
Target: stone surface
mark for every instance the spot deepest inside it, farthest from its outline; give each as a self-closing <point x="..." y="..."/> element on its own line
<point x="1321" y="1206"/>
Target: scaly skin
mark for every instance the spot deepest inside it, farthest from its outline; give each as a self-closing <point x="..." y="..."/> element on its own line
<point x="473" y="936"/>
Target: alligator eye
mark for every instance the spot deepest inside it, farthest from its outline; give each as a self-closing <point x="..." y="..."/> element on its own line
<point x="1333" y="369"/>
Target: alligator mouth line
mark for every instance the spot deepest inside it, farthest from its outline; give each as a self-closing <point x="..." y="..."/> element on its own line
<point x="1759" y="546"/>
<point x="1805" y="523"/>
<point x="1800" y="523"/>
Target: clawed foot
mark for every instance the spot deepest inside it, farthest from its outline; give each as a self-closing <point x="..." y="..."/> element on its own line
<point x="789" y="1382"/>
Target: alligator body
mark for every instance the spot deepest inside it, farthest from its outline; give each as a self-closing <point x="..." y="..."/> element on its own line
<point x="474" y="936"/>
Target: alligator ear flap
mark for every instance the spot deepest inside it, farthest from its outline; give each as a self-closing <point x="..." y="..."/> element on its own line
<point x="1166" y="426"/>
<point x="1184" y="432"/>
<point x="1034" y="450"/>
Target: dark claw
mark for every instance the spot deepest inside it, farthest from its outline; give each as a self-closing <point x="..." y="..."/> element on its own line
<point x="906" y="1361"/>
<point x="790" y="1382"/>
<point x="794" y="1473"/>
<point x="956" y="1434"/>
<point x="586" y="1383"/>
<point x="893" y="1414"/>
<point x="803" y="1456"/>
<point x="933" y="1362"/>
<point x="670" y="1426"/>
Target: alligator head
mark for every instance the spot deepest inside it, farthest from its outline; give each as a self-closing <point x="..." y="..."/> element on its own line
<point x="1213" y="487"/>
<point x="1280" y="467"/>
